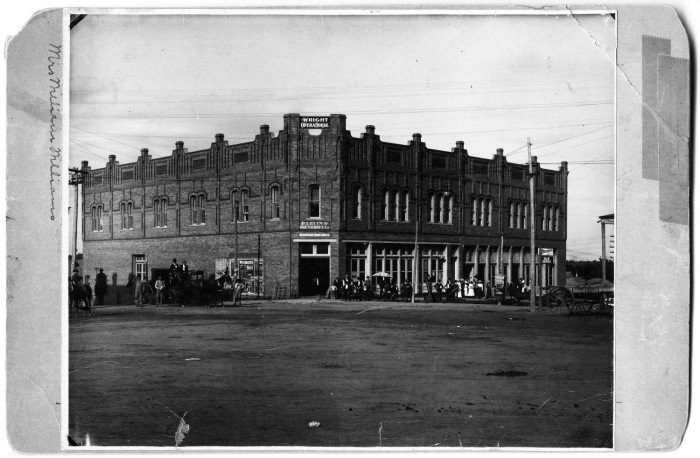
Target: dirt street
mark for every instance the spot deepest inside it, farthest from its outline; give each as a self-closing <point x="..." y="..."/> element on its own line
<point x="371" y="374"/>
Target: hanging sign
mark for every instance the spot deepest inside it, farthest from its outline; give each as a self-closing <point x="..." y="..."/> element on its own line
<point x="315" y="225"/>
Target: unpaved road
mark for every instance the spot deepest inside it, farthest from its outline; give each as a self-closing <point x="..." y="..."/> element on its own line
<point x="431" y="375"/>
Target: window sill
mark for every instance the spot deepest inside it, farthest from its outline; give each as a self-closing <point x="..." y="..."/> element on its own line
<point x="160" y="227"/>
<point x="198" y="224"/>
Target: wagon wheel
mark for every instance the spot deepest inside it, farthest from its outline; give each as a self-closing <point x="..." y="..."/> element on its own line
<point x="559" y="298"/>
<point x="580" y="306"/>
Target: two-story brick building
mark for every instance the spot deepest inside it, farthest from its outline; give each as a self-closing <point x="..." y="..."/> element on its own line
<point x="322" y="205"/>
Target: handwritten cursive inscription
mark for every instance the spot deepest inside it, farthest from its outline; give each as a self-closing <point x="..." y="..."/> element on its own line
<point x="54" y="110"/>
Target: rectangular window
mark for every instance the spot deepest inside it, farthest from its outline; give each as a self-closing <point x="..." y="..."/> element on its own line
<point x="198" y="164"/>
<point x="314" y="201"/>
<point x="480" y="169"/>
<point x="139" y="266"/>
<point x="161" y="169"/>
<point x="549" y="178"/>
<point x="127" y="175"/>
<point x="517" y="175"/>
<point x="357" y="204"/>
<point x="439" y="162"/>
<point x="393" y="155"/>
<point x="240" y="157"/>
<point x="97" y="180"/>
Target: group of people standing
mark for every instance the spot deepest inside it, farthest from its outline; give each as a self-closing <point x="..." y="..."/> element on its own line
<point x="355" y="288"/>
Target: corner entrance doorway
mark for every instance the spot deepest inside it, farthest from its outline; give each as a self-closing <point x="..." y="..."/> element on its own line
<point x="314" y="262"/>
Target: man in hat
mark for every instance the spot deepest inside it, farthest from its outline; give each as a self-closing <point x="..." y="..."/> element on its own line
<point x="100" y="287"/>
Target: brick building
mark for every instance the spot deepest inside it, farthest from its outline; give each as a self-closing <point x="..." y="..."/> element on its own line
<point x="321" y="203"/>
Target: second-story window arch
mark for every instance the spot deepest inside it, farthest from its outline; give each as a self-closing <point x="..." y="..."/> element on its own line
<point x="244" y="214"/>
<point x="488" y="211"/>
<point x="357" y="202"/>
<point x="160" y="212"/>
<point x="433" y="207"/>
<point x="197" y="214"/>
<point x="96" y="217"/>
<point x="405" y="199"/>
<point x="556" y="218"/>
<point x="275" y="202"/>
<point x="511" y="215"/>
<point x="127" y="214"/>
<point x="475" y="210"/>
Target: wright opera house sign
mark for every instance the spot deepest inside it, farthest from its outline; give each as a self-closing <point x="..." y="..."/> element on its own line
<point x="315" y="122"/>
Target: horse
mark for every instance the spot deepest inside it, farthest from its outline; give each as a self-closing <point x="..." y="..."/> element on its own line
<point x="77" y="295"/>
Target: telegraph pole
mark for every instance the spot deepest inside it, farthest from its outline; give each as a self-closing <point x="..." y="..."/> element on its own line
<point x="502" y="296"/>
<point x="76" y="180"/>
<point x="533" y="252"/>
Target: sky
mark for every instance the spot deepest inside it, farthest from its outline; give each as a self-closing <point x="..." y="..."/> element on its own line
<point x="490" y="81"/>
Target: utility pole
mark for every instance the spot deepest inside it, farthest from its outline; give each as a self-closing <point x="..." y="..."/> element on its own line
<point x="533" y="252"/>
<point x="235" y="230"/>
<point x="76" y="180"/>
<point x="415" y="256"/>
<point x="502" y="296"/>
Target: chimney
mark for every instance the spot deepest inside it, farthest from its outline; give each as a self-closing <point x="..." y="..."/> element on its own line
<point x="416" y="138"/>
<point x="112" y="158"/>
<point x="219" y="138"/>
<point x="144" y="151"/>
<point x="460" y="144"/>
<point x="84" y="165"/>
<point x="369" y="129"/>
<point x="179" y="144"/>
<point x="264" y="129"/>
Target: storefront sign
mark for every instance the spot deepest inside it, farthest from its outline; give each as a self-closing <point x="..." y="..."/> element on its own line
<point x="546" y="251"/>
<point x="547" y="260"/>
<point x="315" y="122"/>
<point x="313" y="234"/>
<point x="499" y="279"/>
<point x="315" y="225"/>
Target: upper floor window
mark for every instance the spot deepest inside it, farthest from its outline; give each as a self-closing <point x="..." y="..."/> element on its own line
<point x="433" y="207"/>
<point x="197" y="202"/>
<point x="556" y="218"/>
<point x="126" y="210"/>
<point x="96" y="217"/>
<point x="244" y="215"/>
<point x="357" y="203"/>
<point x="524" y="213"/>
<point x="160" y="212"/>
<point x="482" y="210"/>
<point x="314" y="201"/>
<point x="403" y="206"/>
<point x="275" y="201"/>
<point x="386" y="196"/>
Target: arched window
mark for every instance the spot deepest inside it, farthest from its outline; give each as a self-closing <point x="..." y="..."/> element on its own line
<point x="526" y="212"/>
<point x="245" y="208"/>
<point x="444" y="209"/>
<point x="556" y="218"/>
<point x="433" y="207"/>
<point x="518" y="215"/>
<point x="475" y="210"/>
<point x="275" y="201"/>
<point x="397" y="206"/>
<point x="314" y="201"/>
<point x="404" y="206"/>
<point x="96" y="216"/>
<point x="197" y="209"/>
<point x="439" y="206"/>
<point x="545" y="218"/>
<point x="160" y="212"/>
<point x="357" y="204"/>
<point x="235" y="205"/>
<point x="126" y="210"/>
<point x="487" y="212"/>
<point x="511" y="216"/>
<point x="480" y="207"/>
<point x="450" y="209"/>
<point x="385" y="205"/>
